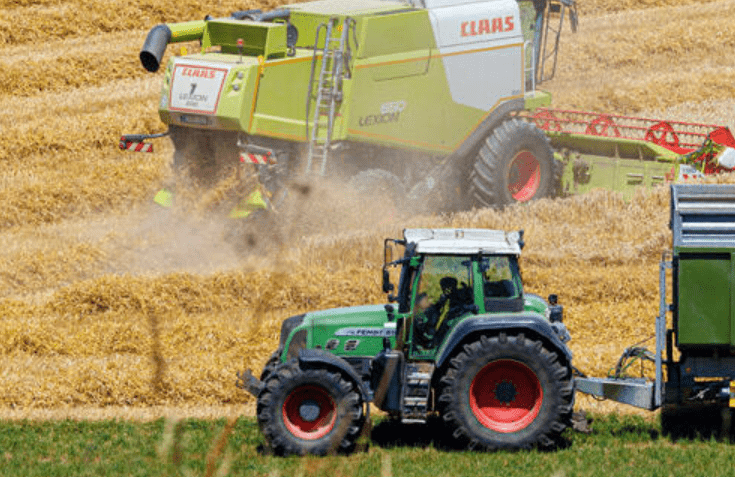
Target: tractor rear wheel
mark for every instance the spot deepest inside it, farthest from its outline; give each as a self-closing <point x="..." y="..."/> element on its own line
<point x="312" y="411"/>
<point x="507" y="392"/>
<point x="514" y="164"/>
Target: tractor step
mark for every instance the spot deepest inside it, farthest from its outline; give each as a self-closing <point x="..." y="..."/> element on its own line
<point x="417" y="392"/>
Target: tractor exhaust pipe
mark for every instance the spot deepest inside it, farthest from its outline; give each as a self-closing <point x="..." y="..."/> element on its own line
<point x="161" y="35"/>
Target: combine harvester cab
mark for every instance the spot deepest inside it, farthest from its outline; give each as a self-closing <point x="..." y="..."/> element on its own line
<point x="697" y="351"/>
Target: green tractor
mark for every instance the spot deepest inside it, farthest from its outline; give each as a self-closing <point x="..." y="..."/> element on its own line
<point x="460" y="339"/>
<point x="419" y="99"/>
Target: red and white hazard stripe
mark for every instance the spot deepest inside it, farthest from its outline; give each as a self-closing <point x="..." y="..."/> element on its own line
<point x="260" y="159"/>
<point x="135" y="146"/>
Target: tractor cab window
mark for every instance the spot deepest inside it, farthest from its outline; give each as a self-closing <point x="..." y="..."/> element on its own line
<point x="443" y="294"/>
<point x="501" y="283"/>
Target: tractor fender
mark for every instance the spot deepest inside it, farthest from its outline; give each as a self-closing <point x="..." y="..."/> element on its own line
<point x="473" y="327"/>
<point x="317" y="358"/>
<point x="472" y="143"/>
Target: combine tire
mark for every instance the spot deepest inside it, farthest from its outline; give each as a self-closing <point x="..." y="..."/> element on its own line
<point x="313" y="411"/>
<point x="506" y="392"/>
<point x="514" y="164"/>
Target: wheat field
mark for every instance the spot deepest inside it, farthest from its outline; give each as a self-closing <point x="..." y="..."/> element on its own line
<point x="110" y="307"/>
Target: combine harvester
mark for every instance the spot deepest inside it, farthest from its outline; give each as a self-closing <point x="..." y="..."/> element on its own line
<point x="432" y="102"/>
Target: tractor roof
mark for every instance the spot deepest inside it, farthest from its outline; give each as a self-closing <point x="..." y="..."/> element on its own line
<point x="465" y="241"/>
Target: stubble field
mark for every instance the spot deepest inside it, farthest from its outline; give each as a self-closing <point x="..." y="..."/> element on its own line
<point x="110" y="308"/>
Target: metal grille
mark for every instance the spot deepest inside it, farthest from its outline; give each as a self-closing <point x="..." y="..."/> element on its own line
<point x="703" y="215"/>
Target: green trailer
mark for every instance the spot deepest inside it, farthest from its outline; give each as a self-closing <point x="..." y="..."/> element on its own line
<point x="694" y="358"/>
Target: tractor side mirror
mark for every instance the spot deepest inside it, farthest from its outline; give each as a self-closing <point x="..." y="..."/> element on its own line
<point x="387" y="285"/>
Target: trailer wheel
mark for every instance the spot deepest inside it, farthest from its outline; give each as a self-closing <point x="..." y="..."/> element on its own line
<point x="514" y="164"/>
<point x="313" y="411"/>
<point x="506" y="392"/>
<point x="696" y="421"/>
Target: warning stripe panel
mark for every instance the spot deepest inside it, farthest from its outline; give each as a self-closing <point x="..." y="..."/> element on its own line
<point x="136" y="146"/>
<point x="260" y="159"/>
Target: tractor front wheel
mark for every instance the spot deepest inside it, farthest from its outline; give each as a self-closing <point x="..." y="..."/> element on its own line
<point x="506" y="392"/>
<point x="514" y="164"/>
<point x="312" y="411"/>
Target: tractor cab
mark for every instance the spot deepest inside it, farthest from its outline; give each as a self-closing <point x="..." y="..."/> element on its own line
<point x="449" y="275"/>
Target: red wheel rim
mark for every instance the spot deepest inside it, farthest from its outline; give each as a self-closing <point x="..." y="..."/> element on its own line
<point x="524" y="176"/>
<point x="506" y="396"/>
<point x="312" y="400"/>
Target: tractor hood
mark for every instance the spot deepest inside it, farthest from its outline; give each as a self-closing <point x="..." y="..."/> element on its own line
<point x="356" y="331"/>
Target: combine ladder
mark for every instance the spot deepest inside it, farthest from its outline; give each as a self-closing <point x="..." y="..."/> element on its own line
<point x="548" y="50"/>
<point x="328" y="91"/>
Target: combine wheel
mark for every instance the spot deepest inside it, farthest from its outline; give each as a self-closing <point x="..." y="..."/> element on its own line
<point x="507" y="392"/>
<point x="313" y="411"/>
<point x="515" y="164"/>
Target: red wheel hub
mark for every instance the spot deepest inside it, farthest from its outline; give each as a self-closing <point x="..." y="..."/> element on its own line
<point x="309" y="412"/>
<point x="524" y="176"/>
<point x="506" y="396"/>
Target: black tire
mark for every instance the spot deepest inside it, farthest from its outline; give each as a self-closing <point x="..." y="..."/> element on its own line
<point x="377" y="183"/>
<point x="514" y="164"/>
<point x="270" y="365"/>
<point x="695" y="421"/>
<point x="530" y="403"/>
<point x="291" y="394"/>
